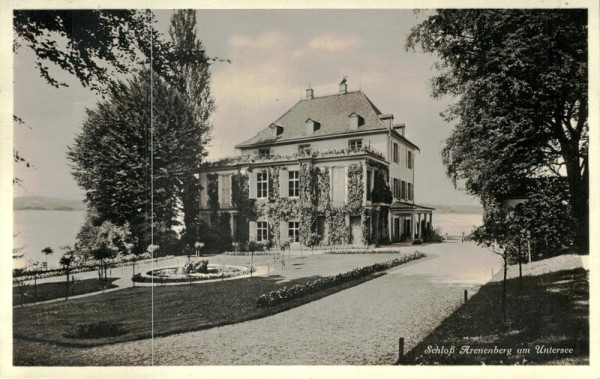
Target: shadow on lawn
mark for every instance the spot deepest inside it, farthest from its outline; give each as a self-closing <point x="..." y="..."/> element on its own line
<point x="544" y="314"/>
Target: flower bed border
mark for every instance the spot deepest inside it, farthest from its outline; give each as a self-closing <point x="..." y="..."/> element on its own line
<point x="300" y="290"/>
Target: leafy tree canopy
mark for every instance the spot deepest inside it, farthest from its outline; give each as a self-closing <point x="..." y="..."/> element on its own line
<point x="520" y="82"/>
<point x="131" y="157"/>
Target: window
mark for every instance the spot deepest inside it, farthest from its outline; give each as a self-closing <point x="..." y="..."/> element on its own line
<point x="403" y="194"/>
<point x="304" y="149"/>
<point x="234" y="227"/>
<point x="355" y="144"/>
<point x="312" y="126"/>
<point x="225" y="199"/>
<point x="396" y="188"/>
<point x="395" y="152"/>
<point x="369" y="175"/>
<point x="294" y="231"/>
<point x="264" y="152"/>
<point x="338" y="185"/>
<point x="262" y="185"/>
<point x="262" y="231"/>
<point x="294" y="184"/>
<point x="410" y="191"/>
<point x="409" y="159"/>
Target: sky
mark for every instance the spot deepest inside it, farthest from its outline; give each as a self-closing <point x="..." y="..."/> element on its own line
<point x="275" y="55"/>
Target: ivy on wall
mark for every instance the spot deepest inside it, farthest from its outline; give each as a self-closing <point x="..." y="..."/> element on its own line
<point x="313" y="201"/>
<point x="240" y="200"/>
<point x="217" y="236"/>
<point x="355" y="187"/>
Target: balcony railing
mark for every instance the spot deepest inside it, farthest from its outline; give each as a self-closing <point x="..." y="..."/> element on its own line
<point x="249" y="159"/>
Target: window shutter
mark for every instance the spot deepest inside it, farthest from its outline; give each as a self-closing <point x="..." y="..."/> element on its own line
<point x="284" y="178"/>
<point x="220" y="189"/>
<point x="252" y="185"/>
<point x="252" y="230"/>
<point x="283" y="231"/>
<point x="230" y="178"/>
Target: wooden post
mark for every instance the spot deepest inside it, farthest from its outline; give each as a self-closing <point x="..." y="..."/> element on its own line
<point x="400" y="351"/>
<point x="465" y="296"/>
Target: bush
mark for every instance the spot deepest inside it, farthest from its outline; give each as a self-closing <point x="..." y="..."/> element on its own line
<point x="299" y="290"/>
<point x="200" y="266"/>
<point x="100" y="329"/>
<point x="432" y="235"/>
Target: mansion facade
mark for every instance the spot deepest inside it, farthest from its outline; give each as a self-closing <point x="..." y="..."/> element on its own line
<point x="333" y="170"/>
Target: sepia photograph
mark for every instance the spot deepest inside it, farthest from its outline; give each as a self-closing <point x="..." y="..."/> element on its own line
<point x="313" y="187"/>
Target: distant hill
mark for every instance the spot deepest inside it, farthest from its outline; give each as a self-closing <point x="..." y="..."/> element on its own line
<point x="456" y="208"/>
<point x="44" y="203"/>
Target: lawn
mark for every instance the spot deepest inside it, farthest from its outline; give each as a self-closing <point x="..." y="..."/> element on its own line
<point x="547" y="323"/>
<point x="49" y="291"/>
<point x="127" y="314"/>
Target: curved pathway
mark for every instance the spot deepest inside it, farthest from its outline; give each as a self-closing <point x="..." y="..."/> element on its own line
<point x="360" y="325"/>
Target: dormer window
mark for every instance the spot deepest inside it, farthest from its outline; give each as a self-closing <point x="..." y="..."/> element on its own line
<point x="388" y="119"/>
<point x="312" y="126"/>
<point x="355" y="121"/>
<point x="276" y="129"/>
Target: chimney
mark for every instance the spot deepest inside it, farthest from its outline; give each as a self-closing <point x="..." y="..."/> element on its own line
<point x="310" y="93"/>
<point x="344" y="86"/>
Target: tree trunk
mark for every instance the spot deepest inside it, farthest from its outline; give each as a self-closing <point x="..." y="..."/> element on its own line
<point x="67" y="293"/>
<point x="505" y="257"/>
<point x="520" y="263"/>
<point x="578" y="190"/>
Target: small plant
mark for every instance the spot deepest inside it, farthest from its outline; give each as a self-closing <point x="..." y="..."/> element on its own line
<point x="100" y="329"/>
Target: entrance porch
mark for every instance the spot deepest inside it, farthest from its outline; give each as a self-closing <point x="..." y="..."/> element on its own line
<point x="408" y="221"/>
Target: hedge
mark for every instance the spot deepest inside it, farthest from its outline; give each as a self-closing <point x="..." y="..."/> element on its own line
<point x="299" y="290"/>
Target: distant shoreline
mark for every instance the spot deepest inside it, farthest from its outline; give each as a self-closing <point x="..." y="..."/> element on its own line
<point x="44" y="203"/>
<point x="67" y="209"/>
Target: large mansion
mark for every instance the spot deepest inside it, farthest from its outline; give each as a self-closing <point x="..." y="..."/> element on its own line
<point x="332" y="170"/>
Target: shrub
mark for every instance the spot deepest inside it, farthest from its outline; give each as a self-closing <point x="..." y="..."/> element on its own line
<point x="100" y="329"/>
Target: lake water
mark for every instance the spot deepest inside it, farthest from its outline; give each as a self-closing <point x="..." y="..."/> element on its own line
<point x="38" y="229"/>
<point x="456" y="223"/>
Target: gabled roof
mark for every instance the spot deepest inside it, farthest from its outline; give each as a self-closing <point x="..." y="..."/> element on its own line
<point x="332" y="112"/>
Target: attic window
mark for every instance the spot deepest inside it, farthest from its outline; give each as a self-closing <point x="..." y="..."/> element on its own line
<point x="312" y="126"/>
<point x="276" y="129"/>
<point x="355" y="121"/>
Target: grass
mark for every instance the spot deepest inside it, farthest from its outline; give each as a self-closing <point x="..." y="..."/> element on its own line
<point x="126" y="315"/>
<point x="49" y="291"/>
<point x="547" y="311"/>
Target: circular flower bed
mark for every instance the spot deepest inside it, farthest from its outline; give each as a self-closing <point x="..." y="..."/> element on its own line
<point x="178" y="274"/>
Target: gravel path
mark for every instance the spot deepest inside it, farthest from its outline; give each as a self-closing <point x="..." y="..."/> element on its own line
<point x="360" y="325"/>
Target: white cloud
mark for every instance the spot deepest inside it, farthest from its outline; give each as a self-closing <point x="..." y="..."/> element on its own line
<point x="329" y="43"/>
<point x="265" y="41"/>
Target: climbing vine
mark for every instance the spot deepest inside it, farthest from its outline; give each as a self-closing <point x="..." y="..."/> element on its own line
<point x="212" y="191"/>
<point x="313" y="203"/>
<point x="355" y="187"/>
<point x="240" y="199"/>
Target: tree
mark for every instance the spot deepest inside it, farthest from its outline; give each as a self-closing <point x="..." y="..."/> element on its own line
<point x="520" y="79"/>
<point x="92" y="45"/>
<point x="105" y="242"/>
<point x="191" y="77"/>
<point x="65" y="261"/>
<point x="47" y="250"/>
<point x="131" y="157"/>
